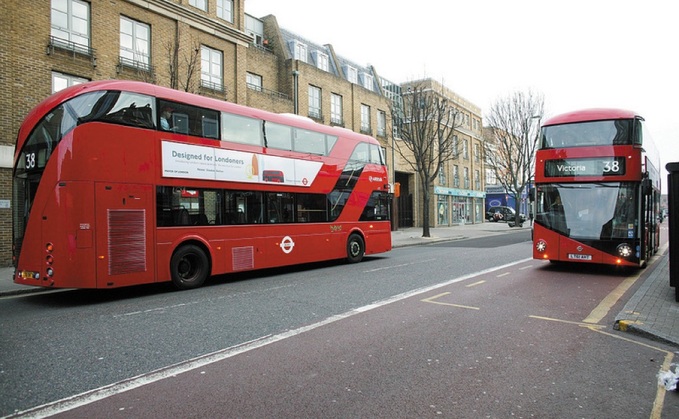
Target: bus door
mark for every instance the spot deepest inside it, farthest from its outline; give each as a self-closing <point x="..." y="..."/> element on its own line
<point x="125" y="226"/>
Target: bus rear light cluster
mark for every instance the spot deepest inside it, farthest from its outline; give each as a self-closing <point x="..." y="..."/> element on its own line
<point x="49" y="260"/>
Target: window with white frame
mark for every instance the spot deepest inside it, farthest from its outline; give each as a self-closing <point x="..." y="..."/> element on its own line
<point x="477" y="180"/>
<point x="225" y="10"/>
<point x="255" y="28"/>
<point x="336" y="109"/>
<point x="456" y="176"/>
<point x="61" y="81"/>
<point x="351" y="73"/>
<point x="70" y="21"/>
<point x="465" y="149"/>
<point x="365" y="118"/>
<point x="211" y="68"/>
<point x="381" y="123"/>
<point x="314" y="102"/>
<point x="456" y="147"/>
<point x="442" y="175"/>
<point x="368" y="81"/>
<point x="466" y="178"/>
<point x="491" y="179"/>
<point x="199" y="4"/>
<point x="322" y="60"/>
<point x="254" y="81"/>
<point x="477" y="152"/>
<point x="299" y="50"/>
<point x="135" y="43"/>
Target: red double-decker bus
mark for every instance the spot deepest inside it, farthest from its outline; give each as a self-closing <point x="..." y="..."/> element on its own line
<point x="597" y="189"/>
<point x="119" y="183"/>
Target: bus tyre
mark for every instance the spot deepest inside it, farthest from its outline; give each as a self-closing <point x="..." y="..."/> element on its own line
<point x="189" y="267"/>
<point x="355" y="248"/>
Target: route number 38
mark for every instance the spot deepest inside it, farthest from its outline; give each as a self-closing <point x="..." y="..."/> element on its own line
<point x="611" y="166"/>
<point x="30" y="161"/>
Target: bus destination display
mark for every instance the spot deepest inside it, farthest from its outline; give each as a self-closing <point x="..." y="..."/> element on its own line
<point x="606" y="166"/>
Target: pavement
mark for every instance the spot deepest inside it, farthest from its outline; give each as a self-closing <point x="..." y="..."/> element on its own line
<point x="651" y="311"/>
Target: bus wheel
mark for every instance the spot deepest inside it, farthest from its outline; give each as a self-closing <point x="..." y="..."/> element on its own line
<point x="189" y="267"/>
<point x="355" y="248"/>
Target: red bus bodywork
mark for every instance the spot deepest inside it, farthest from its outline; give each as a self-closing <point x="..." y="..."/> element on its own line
<point x="91" y="217"/>
<point x="596" y="197"/>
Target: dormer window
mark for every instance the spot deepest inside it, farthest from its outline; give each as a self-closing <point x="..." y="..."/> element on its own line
<point x="299" y="50"/>
<point x="367" y="80"/>
<point x="351" y="73"/>
<point x="322" y="61"/>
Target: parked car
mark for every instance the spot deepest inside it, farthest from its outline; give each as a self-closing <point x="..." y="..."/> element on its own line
<point x="503" y="213"/>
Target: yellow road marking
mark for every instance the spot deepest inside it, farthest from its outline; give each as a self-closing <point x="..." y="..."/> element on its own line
<point x="475" y="284"/>
<point x="503" y="274"/>
<point x="656" y="413"/>
<point x="568" y="322"/>
<point x="605" y="305"/>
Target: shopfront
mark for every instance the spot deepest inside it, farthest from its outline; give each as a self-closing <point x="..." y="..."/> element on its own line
<point x="458" y="206"/>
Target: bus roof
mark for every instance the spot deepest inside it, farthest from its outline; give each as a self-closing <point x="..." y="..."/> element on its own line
<point x="594" y="114"/>
<point x="188" y="98"/>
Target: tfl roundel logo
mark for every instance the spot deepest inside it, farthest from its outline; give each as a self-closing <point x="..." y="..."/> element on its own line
<point x="287" y="244"/>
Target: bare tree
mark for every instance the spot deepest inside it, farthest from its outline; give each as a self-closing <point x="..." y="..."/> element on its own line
<point x="183" y="66"/>
<point x="426" y="127"/>
<point x="512" y="140"/>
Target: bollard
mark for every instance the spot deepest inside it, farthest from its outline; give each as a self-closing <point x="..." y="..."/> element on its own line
<point x="673" y="213"/>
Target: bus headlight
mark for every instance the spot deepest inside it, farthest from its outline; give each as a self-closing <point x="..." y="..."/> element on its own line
<point x="624" y="250"/>
<point x="541" y="246"/>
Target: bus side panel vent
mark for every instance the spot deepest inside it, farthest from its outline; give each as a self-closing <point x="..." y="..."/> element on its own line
<point x="243" y="258"/>
<point x="126" y="241"/>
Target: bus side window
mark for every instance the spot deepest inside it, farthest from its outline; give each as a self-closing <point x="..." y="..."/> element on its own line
<point x="180" y="123"/>
<point x="278" y="136"/>
<point x="210" y="128"/>
<point x="241" y="129"/>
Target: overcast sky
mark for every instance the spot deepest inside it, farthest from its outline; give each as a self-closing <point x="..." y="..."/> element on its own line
<point x="578" y="54"/>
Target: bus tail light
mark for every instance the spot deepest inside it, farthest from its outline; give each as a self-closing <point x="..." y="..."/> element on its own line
<point x="49" y="259"/>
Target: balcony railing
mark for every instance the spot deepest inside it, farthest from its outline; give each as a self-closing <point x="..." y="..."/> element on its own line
<point x="269" y="92"/>
<point x="337" y="121"/>
<point x="124" y="63"/>
<point x="73" y="48"/>
<point x="217" y="87"/>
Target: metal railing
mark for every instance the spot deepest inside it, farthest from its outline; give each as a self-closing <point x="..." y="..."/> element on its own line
<point x="218" y="87"/>
<point x="75" y="49"/>
<point x="134" y="64"/>
<point x="269" y="92"/>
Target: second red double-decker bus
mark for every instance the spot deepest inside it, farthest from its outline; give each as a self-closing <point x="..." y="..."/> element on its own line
<point x="597" y="189"/>
<point x="120" y="183"/>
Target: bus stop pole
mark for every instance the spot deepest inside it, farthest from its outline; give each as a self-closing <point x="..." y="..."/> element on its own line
<point x="673" y="213"/>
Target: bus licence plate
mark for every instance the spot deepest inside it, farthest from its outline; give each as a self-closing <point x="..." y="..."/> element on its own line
<point x="579" y="257"/>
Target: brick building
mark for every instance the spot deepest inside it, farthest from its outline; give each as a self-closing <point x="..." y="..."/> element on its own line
<point x="209" y="47"/>
<point x="459" y="193"/>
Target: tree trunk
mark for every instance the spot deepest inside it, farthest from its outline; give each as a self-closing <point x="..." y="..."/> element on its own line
<point x="425" y="210"/>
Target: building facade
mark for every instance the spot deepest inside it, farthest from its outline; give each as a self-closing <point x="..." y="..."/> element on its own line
<point x="458" y="193"/>
<point x="208" y="47"/>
